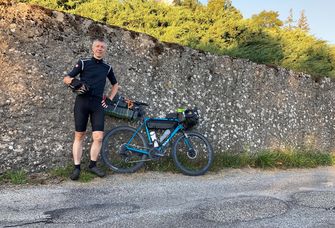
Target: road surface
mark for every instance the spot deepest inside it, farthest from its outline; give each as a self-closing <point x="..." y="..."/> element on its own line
<point x="231" y="198"/>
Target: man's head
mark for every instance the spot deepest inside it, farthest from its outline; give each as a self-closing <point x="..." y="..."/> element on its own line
<point x="99" y="48"/>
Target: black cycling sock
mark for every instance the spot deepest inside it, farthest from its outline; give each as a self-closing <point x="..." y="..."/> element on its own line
<point x="92" y="164"/>
<point x="77" y="166"/>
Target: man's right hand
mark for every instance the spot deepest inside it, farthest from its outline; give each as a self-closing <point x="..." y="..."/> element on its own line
<point x="67" y="80"/>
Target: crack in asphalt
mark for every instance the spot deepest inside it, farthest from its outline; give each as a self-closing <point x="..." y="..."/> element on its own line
<point x="27" y="223"/>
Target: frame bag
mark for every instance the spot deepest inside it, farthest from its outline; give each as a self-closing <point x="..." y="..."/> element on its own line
<point x="123" y="108"/>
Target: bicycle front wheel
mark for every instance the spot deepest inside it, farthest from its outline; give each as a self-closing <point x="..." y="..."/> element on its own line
<point x="192" y="154"/>
<point x="115" y="154"/>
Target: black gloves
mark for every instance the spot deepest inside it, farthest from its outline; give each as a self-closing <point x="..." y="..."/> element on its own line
<point x="78" y="87"/>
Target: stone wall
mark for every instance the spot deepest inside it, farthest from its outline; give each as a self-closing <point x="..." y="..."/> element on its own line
<point x="244" y="106"/>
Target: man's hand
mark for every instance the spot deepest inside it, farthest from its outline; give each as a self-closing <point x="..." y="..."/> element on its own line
<point x="67" y="80"/>
<point x="103" y="102"/>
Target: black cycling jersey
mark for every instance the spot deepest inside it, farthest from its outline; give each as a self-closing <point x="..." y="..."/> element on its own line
<point x="93" y="72"/>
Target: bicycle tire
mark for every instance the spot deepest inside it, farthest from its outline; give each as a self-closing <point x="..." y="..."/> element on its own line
<point x="111" y="149"/>
<point x="194" y="163"/>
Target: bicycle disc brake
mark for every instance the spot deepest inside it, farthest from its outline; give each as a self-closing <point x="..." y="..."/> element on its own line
<point x="191" y="153"/>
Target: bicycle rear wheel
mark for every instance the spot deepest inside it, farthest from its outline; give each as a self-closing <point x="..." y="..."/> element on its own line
<point x="192" y="155"/>
<point x="114" y="153"/>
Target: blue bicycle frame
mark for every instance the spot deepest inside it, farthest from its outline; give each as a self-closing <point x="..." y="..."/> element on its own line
<point x="145" y="125"/>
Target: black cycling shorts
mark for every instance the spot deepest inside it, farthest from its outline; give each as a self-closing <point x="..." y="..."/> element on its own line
<point x="88" y="107"/>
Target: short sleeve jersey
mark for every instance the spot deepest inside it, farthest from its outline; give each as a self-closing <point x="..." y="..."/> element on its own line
<point x="93" y="72"/>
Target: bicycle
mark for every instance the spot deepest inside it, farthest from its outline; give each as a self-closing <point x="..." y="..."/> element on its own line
<point x="125" y="149"/>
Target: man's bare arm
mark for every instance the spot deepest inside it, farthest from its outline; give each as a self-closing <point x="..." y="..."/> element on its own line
<point x="114" y="90"/>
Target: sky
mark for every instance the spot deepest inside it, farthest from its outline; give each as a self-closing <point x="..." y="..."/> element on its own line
<point x="320" y="13"/>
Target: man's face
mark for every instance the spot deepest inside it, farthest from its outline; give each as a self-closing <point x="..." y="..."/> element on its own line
<point x="99" y="49"/>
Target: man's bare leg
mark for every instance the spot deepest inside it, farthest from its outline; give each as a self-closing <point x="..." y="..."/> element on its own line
<point x="96" y="145"/>
<point x="94" y="153"/>
<point x="77" y="151"/>
<point x="78" y="146"/>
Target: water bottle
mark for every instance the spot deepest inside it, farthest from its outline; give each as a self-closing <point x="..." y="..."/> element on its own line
<point x="154" y="138"/>
<point x="164" y="135"/>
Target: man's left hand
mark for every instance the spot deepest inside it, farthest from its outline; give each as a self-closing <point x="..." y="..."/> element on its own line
<point x="103" y="102"/>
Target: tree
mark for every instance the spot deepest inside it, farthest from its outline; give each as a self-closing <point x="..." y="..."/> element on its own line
<point x="69" y="4"/>
<point x="266" y="19"/>
<point x="289" y="21"/>
<point x="228" y="4"/>
<point x="302" y="22"/>
<point x="177" y="2"/>
<point x="217" y="6"/>
<point x="190" y="4"/>
<point x="303" y="52"/>
<point x="319" y="59"/>
<point x="95" y="9"/>
<point x="52" y="4"/>
<point x="332" y="54"/>
<point x="218" y="27"/>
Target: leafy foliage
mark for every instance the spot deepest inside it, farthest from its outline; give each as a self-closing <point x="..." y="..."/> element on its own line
<point x="218" y="27"/>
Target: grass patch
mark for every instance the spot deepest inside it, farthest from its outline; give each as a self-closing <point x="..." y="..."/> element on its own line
<point x="164" y="164"/>
<point x="61" y="172"/>
<point x="282" y="159"/>
<point x="231" y="160"/>
<point x="64" y="172"/>
<point x="56" y="175"/>
<point x="86" y="176"/>
<point x="16" y="177"/>
<point x="264" y="159"/>
<point x="293" y="159"/>
<point x="274" y="159"/>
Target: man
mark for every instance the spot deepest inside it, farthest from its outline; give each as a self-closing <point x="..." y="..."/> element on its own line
<point x="93" y="73"/>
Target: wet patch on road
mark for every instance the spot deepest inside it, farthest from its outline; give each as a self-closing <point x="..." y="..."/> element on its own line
<point x="315" y="199"/>
<point x="89" y="213"/>
<point x="239" y="209"/>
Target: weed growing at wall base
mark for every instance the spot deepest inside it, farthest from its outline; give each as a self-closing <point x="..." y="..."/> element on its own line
<point x="14" y="177"/>
<point x="274" y="159"/>
<point x="281" y="159"/>
<point x="63" y="173"/>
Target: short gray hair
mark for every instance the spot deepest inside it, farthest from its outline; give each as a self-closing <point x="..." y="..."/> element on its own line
<point x="99" y="40"/>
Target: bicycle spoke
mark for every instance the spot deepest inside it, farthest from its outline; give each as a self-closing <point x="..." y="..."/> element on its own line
<point x="115" y="153"/>
<point x="192" y="154"/>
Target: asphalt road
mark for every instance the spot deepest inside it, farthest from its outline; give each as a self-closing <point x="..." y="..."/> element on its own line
<point x="232" y="198"/>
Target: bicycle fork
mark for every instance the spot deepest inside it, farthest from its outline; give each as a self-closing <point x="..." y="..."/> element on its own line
<point x="191" y="152"/>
